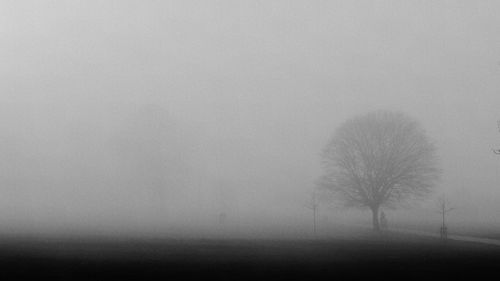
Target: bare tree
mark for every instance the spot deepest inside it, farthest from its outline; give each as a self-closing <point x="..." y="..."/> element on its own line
<point x="380" y="158"/>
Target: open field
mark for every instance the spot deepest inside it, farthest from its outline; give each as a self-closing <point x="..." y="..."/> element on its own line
<point x="392" y="256"/>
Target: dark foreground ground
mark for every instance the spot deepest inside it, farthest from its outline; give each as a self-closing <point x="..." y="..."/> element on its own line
<point x="379" y="257"/>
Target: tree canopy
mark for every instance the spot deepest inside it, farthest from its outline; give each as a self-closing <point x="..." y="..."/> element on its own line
<point x="379" y="158"/>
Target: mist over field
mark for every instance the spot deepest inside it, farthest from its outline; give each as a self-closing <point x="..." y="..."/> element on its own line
<point x="156" y="117"/>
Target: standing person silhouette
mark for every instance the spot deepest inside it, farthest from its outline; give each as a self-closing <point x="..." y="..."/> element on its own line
<point x="383" y="220"/>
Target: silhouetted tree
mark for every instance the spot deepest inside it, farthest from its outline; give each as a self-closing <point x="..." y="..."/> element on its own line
<point x="379" y="159"/>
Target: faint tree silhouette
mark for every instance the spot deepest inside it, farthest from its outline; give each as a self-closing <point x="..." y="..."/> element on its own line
<point x="379" y="159"/>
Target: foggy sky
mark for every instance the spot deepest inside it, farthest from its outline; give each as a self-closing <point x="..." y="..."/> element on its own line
<point x="229" y="103"/>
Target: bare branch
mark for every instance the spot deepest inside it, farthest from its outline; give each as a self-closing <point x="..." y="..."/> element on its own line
<point x="380" y="158"/>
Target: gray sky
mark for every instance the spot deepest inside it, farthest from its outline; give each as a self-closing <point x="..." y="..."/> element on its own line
<point x="245" y="94"/>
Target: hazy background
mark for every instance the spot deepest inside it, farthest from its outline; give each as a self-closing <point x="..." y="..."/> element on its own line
<point x="159" y="115"/>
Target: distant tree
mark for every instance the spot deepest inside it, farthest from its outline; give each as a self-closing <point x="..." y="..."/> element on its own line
<point x="380" y="158"/>
<point x="149" y="150"/>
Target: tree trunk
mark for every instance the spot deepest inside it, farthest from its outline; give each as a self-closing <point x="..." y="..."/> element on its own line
<point x="376" y="225"/>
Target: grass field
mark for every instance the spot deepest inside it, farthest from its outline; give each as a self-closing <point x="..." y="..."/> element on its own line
<point x="378" y="257"/>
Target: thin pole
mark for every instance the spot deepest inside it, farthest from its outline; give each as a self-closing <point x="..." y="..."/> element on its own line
<point x="443" y="216"/>
<point x="314" y="207"/>
<point x="314" y="214"/>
